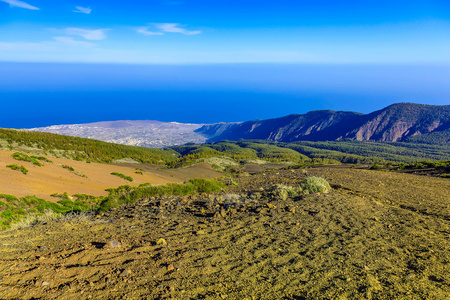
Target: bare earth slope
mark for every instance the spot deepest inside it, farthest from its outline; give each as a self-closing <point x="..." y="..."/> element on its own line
<point x="53" y="178"/>
<point x="377" y="235"/>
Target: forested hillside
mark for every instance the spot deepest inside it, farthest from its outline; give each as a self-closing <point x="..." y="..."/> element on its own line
<point x="347" y="151"/>
<point x="82" y="148"/>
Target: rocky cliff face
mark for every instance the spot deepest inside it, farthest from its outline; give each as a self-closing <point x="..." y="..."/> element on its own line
<point x="399" y="121"/>
<point x="390" y="124"/>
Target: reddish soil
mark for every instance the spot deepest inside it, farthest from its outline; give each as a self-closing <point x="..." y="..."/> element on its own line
<point x="53" y="178"/>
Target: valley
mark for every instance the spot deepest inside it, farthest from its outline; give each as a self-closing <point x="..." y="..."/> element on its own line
<point x="88" y="219"/>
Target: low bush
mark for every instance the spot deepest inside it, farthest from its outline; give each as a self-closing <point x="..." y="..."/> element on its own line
<point x="23" y="157"/>
<point x="129" y="178"/>
<point x="18" y="168"/>
<point x="128" y="194"/>
<point x="376" y="167"/>
<point x="307" y="186"/>
<point x="315" y="185"/>
<point x="68" y="168"/>
<point x="15" y="210"/>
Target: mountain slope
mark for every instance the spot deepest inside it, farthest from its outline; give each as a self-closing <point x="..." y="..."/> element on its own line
<point x="393" y="123"/>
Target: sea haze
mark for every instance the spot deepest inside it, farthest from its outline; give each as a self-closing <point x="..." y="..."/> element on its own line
<point x="42" y="94"/>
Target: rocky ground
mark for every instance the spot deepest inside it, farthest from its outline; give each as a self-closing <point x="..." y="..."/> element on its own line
<point x="377" y="235"/>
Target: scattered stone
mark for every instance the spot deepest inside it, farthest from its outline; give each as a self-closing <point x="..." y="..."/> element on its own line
<point x="200" y="232"/>
<point x="114" y="244"/>
<point x="170" y="267"/>
<point x="98" y="245"/>
<point x="271" y="206"/>
<point x="162" y="242"/>
<point x="125" y="273"/>
<point x="45" y="283"/>
<point x="223" y="213"/>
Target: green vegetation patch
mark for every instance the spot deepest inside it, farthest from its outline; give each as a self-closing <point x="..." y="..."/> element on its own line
<point x="32" y="159"/>
<point x="18" y="168"/>
<point x="71" y="169"/>
<point x="129" y="178"/>
<point x="68" y="168"/>
<point x="304" y="152"/>
<point x="128" y="194"/>
<point x="315" y="185"/>
<point x="14" y="209"/>
<point x="309" y="185"/>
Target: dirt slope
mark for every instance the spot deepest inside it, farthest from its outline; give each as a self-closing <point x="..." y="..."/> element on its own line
<point x="53" y="178"/>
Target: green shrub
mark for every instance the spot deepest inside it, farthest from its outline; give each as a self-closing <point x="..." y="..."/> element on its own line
<point x="24" y="157"/>
<point x="315" y="185"/>
<point x="68" y="168"/>
<point x="41" y="158"/>
<point x="14" y="209"/>
<point x="128" y="194"/>
<point x="122" y="176"/>
<point x="18" y="168"/>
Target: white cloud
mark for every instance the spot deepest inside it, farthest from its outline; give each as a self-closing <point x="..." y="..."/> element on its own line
<point x="83" y="10"/>
<point x="88" y="34"/>
<point x="59" y="44"/>
<point x="144" y="31"/>
<point x="174" y="28"/>
<point x="20" y="4"/>
<point x="24" y="46"/>
<point x="67" y="40"/>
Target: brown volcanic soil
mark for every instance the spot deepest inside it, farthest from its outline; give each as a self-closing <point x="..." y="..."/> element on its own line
<point x="377" y="235"/>
<point x="53" y="178"/>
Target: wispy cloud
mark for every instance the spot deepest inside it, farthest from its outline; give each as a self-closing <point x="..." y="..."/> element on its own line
<point x="83" y="10"/>
<point x="88" y="34"/>
<point x="59" y="43"/>
<point x="23" y="46"/>
<point x="70" y="41"/>
<point x="166" y="27"/>
<point x="175" y="28"/>
<point x="144" y="31"/>
<point x="21" y="4"/>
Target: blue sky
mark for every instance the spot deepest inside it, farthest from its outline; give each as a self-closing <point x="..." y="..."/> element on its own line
<point x="223" y="31"/>
<point x="208" y="61"/>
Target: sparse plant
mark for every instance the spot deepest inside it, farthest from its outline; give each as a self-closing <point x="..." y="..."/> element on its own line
<point x="71" y="169"/>
<point x="24" y="157"/>
<point x="315" y="185"/>
<point x="18" y="168"/>
<point x="68" y="168"/>
<point x="123" y="176"/>
<point x="376" y="167"/>
<point x="283" y="191"/>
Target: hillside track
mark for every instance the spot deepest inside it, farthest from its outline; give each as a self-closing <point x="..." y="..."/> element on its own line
<point x="377" y="235"/>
